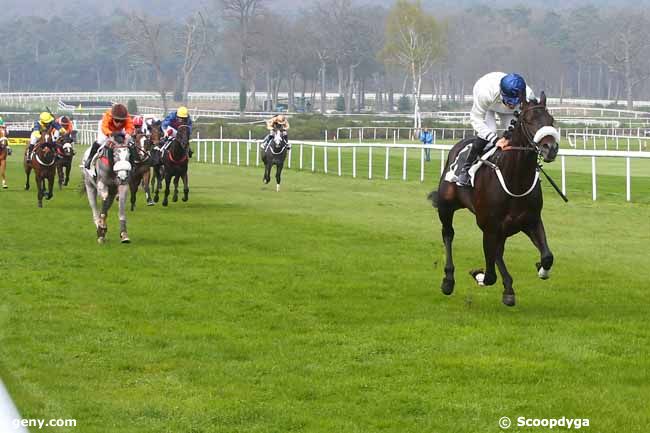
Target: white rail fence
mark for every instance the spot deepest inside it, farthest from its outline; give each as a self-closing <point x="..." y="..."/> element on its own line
<point x="246" y="152"/>
<point x="597" y="141"/>
<point x="328" y="157"/>
<point x="408" y="133"/>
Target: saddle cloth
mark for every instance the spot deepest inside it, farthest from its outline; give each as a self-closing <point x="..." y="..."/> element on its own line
<point x="454" y="167"/>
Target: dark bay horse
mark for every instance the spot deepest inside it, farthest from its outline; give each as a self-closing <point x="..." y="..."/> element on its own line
<point x="275" y="152"/>
<point x="65" y="152"/>
<point x="4" y="152"/>
<point x="43" y="162"/>
<point x="141" y="174"/>
<point x="506" y="198"/>
<point x="174" y="164"/>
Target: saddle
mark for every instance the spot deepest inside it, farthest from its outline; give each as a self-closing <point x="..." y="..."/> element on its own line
<point x="454" y="168"/>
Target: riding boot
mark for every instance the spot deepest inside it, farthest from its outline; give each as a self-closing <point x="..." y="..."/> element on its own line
<point x="189" y="152"/>
<point x="464" y="179"/>
<point x="30" y="149"/>
<point x="91" y="155"/>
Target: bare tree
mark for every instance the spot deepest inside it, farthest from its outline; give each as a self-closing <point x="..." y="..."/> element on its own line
<point x="193" y="47"/>
<point x="144" y="37"/>
<point x="625" y="50"/>
<point x="242" y="13"/>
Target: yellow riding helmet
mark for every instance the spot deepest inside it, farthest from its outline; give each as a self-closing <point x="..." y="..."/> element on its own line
<point x="182" y="112"/>
<point x="46" y="118"/>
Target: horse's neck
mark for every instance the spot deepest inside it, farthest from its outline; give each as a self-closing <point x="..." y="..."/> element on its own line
<point x="177" y="148"/>
<point x="518" y="164"/>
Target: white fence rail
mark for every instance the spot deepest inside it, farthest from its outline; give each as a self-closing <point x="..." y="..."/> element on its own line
<point x="608" y="141"/>
<point x="246" y="152"/>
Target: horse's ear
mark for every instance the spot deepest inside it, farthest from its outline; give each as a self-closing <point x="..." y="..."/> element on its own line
<point x="542" y="98"/>
<point x="522" y="97"/>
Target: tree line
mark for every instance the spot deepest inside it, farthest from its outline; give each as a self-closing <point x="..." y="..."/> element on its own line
<point x="343" y="46"/>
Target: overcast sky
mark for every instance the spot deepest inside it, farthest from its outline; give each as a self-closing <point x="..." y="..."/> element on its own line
<point x="179" y="8"/>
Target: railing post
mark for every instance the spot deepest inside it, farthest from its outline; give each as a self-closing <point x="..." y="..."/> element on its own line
<point x="369" y="162"/>
<point x="628" y="187"/>
<point x="301" y="146"/>
<point x="563" y="159"/>
<point x="387" y="160"/>
<point x="404" y="165"/>
<point x="593" y="178"/>
<point x="354" y="161"/>
<point x="338" y="158"/>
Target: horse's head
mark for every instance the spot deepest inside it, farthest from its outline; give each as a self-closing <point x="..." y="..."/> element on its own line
<point x="536" y="125"/>
<point x="65" y="144"/>
<point x="156" y="133"/>
<point x="121" y="157"/>
<point x="183" y="136"/>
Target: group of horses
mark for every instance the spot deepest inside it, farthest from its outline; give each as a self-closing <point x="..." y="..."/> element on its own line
<point x="132" y="166"/>
<point x="122" y="166"/>
<point x="506" y="196"/>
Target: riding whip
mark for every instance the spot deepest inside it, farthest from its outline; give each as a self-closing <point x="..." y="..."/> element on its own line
<point x="564" y="197"/>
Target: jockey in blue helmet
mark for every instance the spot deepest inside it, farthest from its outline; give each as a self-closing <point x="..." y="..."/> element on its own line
<point x="493" y="93"/>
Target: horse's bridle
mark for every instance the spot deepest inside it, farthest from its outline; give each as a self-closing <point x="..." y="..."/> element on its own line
<point x="533" y="146"/>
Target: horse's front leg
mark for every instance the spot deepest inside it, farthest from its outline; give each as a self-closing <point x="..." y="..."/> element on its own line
<point x="267" y="173"/>
<point x="491" y="243"/>
<point x="50" y="189"/>
<point x="133" y="187"/>
<point x="168" y="179"/>
<point x="508" y="291"/>
<point x="145" y="184"/>
<point x="278" y="173"/>
<point x="537" y="235"/>
<point x="186" y="187"/>
<point x="446" y="215"/>
<point x="40" y="185"/>
<point x="59" y="174"/>
<point x="122" y="193"/>
<point x="67" y="173"/>
<point x="175" y="197"/>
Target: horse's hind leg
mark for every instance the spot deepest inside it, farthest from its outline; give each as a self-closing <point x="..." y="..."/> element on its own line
<point x="59" y="173"/>
<point x="67" y="174"/>
<point x="28" y="171"/>
<point x="50" y="192"/>
<point x="446" y="215"/>
<point x="537" y="235"/>
<point x="145" y="184"/>
<point x="168" y="179"/>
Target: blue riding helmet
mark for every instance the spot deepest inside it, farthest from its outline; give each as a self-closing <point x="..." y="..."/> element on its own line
<point x="512" y="85"/>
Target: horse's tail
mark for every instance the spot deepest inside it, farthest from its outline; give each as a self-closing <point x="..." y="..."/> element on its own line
<point x="433" y="196"/>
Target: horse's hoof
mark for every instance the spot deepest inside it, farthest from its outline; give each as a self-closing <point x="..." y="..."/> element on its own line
<point x="185" y="198"/>
<point x="165" y="203"/>
<point x="265" y="181"/>
<point x="150" y="203"/>
<point x="49" y="197"/>
<point x="542" y="273"/>
<point x="509" y="300"/>
<point x="479" y="276"/>
<point x="447" y="286"/>
<point x="277" y="188"/>
<point x="175" y="198"/>
<point x="101" y="241"/>
<point x="124" y="238"/>
<point x="155" y="199"/>
<point x="40" y="205"/>
<point x="26" y="187"/>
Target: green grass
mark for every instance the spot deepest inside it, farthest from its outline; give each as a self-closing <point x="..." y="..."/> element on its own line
<point x="318" y="310"/>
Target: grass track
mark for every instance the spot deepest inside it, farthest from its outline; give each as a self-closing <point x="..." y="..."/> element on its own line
<point x="318" y="310"/>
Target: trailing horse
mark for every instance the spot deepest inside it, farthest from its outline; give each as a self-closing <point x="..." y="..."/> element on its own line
<point x="65" y="152"/>
<point x="174" y="165"/>
<point x="108" y="182"/>
<point x="4" y="152"/>
<point x="275" y="152"/>
<point x="43" y="162"/>
<point x="142" y="159"/>
<point x="506" y="198"/>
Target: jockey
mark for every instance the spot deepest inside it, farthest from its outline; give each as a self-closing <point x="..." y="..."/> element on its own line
<point x="138" y="124"/>
<point x="115" y="120"/>
<point x="175" y="119"/>
<point x="66" y="124"/>
<point x="44" y="124"/>
<point x="276" y="122"/>
<point x="495" y="92"/>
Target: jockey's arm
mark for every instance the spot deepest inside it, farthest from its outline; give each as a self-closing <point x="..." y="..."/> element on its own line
<point x="482" y="100"/>
<point x="34" y="137"/>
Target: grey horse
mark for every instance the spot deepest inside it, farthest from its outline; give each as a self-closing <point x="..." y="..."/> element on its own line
<point x="109" y="182"/>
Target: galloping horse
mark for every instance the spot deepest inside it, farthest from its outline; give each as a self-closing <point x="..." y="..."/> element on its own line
<point x="65" y="153"/>
<point x="143" y="161"/>
<point x="109" y="181"/>
<point x="4" y="146"/>
<point x="275" y="153"/>
<point x="506" y="198"/>
<point x="43" y="162"/>
<point x="174" y="164"/>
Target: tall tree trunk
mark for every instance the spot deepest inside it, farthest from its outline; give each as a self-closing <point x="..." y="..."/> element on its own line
<point x="323" y="90"/>
<point x="292" y="89"/>
<point x="341" y="77"/>
<point x="579" y="93"/>
<point x="349" y="89"/>
<point x="391" y="98"/>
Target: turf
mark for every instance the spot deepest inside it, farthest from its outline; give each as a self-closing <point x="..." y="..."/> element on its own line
<point x="318" y="309"/>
